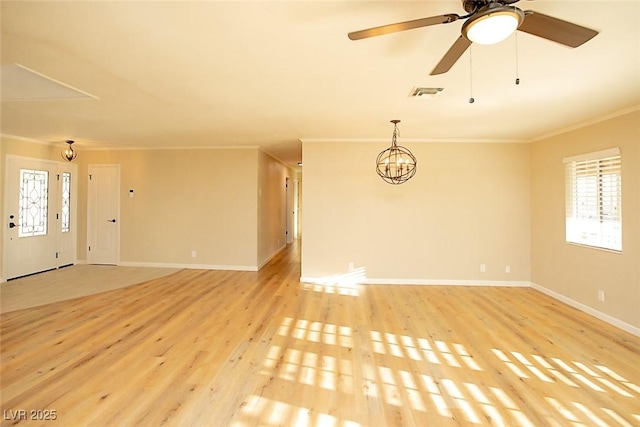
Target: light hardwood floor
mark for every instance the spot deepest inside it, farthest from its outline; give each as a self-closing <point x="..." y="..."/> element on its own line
<point x="220" y="348"/>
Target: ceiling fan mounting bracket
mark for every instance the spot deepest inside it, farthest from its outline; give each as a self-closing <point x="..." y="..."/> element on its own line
<point x="471" y="6"/>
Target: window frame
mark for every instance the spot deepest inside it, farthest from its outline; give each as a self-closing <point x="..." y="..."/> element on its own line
<point x="593" y="200"/>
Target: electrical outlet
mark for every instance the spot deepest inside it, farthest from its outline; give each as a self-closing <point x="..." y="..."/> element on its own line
<point x="507" y="269"/>
<point x="351" y="266"/>
<point x="483" y="268"/>
<point x="600" y="295"/>
<point x="193" y="254"/>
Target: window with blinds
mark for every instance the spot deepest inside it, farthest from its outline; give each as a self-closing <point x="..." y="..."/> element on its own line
<point x="594" y="199"/>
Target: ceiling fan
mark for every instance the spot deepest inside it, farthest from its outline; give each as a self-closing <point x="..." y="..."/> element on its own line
<point x="489" y="22"/>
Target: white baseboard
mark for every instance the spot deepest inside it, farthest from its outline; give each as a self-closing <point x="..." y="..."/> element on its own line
<point x="417" y="282"/>
<point x="189" y="266"/>
<point x="448" y="282"/>
<point x="589" y="310"/>
<point x="273" y="255"/>
<point x="351" y="278"/>
<point x="193" y="266"/>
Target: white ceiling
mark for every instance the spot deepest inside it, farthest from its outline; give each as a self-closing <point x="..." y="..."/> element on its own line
<point x="273" y="73"/>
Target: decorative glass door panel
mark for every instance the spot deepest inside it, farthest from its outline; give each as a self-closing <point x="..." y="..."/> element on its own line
<point x="33" y="203"/>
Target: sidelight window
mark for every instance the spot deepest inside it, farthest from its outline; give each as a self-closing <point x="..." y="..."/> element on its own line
<point x="65" y="211"/>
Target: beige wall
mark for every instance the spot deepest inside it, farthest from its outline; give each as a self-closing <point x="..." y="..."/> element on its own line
<point x="577" y="272"/>
<point x="272" y="176"/>
<point x="468" y="204"/>
<point x="184" y="200"/>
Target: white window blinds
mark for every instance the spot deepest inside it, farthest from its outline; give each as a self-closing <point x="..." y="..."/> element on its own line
<point x="594" y="199"/>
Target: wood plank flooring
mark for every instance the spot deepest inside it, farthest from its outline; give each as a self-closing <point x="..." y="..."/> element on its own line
<point x="221" y="348"/>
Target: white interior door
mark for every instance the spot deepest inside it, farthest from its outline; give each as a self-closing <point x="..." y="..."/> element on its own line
<point x="296" y="203"/>
<point x="289" y="212"/>
<point x="103" y="234"/>
<point x="30" y="239"/>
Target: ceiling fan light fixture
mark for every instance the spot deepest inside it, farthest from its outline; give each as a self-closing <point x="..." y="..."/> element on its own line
<point x="492" y="25"/>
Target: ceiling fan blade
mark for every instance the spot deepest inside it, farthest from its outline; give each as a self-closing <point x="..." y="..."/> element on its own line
<point x="555" y="29"/>
<point x="453" y="54"/>
<point x="402" y="26"/>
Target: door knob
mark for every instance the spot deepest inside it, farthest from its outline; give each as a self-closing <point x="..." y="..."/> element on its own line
<point x="112" y="220"/>
<point x="12" y="225"/>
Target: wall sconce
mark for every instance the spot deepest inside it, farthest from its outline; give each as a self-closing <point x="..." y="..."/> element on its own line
<point x="69" y="154"/>
<point x="396" y="164"/>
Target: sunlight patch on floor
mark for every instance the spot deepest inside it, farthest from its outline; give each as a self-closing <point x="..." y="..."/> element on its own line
<point x="614" y="415"/>
<point x="413" y="391"/>
<point x="553" y="371"/>
<point x="562" y="410"/>
<point x="316" y="370"/>
<point x="390" y="389"/>
<point x="317" y="332"/>
<point x="511" y="407"/>
<point x="432" y="351"/>
<point x="342" y="284"/>
<point x="436" y="396"/>
<point x="509" y="364"/>
<point x="571" y="374"/>
<point x="387" y="381"/>
<point x="490" y="411"/>
<point x="531" y="367"/>
<point x="575" y="374"/>
<point x="606" y="382"/>
<point x="262" y="411"/>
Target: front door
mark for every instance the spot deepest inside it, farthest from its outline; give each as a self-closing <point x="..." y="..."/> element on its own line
<point x="103" y="234"/>
<point x="34" y="204"/>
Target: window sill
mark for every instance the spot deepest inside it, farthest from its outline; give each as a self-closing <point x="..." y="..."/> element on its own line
<point x="598" y="248"/>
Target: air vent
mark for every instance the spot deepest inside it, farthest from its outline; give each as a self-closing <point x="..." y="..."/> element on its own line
<point x="426" y="92"/>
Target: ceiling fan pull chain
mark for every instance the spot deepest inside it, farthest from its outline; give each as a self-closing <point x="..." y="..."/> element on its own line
<point x="471" y="99"/>
<point x="517" y="62"/>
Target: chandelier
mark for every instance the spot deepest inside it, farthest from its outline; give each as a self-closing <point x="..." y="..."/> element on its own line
<point x="69" y="154"/>
<point x="396" y="164"/>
